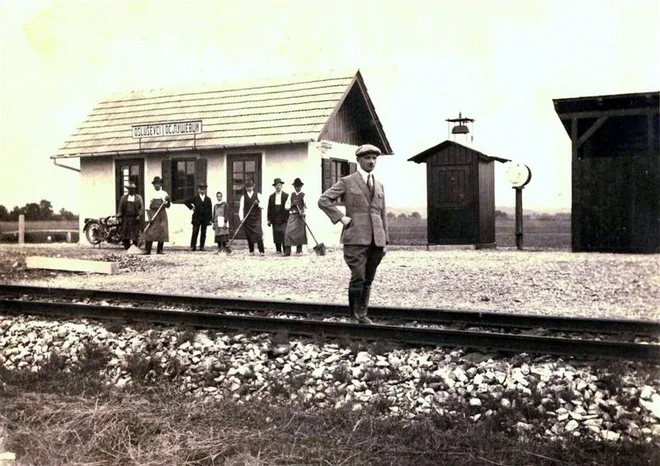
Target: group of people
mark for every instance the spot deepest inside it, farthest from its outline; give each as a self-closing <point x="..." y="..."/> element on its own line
<point x="131" y="211"/>
<point x="364" y="234"/>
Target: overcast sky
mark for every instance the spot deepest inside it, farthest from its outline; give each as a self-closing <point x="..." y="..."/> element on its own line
<point x="499" y="62"/>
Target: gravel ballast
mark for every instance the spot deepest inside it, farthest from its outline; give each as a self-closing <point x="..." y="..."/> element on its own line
<point x="542" y="397"/>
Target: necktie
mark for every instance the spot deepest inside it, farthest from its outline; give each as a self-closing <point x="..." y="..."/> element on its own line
<point x="370" y="184"/>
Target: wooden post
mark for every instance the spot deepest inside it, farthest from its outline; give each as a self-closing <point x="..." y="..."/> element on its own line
<point x="519" y="218"/>
<point x="21" y="229"/>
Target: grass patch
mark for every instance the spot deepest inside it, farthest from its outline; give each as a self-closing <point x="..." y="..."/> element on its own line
<point x="164" y="428"/>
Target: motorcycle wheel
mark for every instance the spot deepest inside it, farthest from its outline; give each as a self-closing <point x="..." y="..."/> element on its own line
<point x="94" y="233"/>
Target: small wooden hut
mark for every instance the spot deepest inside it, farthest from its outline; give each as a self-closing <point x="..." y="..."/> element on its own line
<point x="615" y="171"/>
<point x="460" y="183"/>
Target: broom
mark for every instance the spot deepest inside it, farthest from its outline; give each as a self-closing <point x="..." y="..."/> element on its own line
<point x="239" y="227"/>
<point x="319" y="249"/>
<point x="137" y="249"/>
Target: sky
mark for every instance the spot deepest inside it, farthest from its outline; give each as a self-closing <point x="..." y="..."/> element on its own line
<point x="499" y="62"/>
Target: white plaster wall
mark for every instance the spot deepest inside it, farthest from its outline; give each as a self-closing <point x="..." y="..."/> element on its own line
<point x="97" y="188"/>
<point x="284" y="161"/>
<point x="326" y="232"/>
<point x="178" y="215"/>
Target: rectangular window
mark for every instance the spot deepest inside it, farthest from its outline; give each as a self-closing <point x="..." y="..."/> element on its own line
<point x="334" y="169"/>
<point x="183" y="179"/>
<point x="338" y="169"/>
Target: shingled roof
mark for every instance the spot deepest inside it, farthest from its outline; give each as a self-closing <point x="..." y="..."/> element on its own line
<point x="275" y="112"/>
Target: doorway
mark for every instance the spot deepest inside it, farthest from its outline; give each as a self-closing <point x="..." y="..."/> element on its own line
<point x="125" y="171"/>
<point x="240" y="168"/>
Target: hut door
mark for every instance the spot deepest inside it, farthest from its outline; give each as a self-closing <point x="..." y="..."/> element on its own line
<point x="451" y="214"/>
<point x="240" y="168"/>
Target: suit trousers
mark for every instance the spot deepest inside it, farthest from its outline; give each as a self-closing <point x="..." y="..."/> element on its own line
<point x="363" y="262"/>
<point x="201" y="231"/>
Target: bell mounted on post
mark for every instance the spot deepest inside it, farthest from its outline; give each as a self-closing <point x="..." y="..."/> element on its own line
<point x="460" y="127"/>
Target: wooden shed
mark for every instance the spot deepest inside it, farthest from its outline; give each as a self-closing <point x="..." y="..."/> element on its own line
<point x="460" y="184"/>
<point x="615" y="171"/>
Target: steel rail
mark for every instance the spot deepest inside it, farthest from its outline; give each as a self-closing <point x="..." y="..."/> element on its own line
<point x="435" y="316"/>
<point x="408" y="335"/>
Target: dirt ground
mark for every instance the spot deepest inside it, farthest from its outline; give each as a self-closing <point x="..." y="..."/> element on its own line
<point x="499" y="280"/>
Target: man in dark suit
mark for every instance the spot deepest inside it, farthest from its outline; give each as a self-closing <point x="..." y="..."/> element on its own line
<point x="277" y="215"/>
<point x="201" y="217"/>
<point x="364" y="234"/>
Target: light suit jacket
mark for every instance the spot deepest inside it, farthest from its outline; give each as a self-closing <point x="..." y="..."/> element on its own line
<point x="369" y="216"/>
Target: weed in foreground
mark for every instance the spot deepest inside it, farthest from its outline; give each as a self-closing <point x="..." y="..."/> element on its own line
<point x="159" y="426"/>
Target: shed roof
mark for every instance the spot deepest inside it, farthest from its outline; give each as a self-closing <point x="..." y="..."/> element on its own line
<point x="422" y="156"/>
<point x="639" y="103"/>
<point x="248" y="114"/>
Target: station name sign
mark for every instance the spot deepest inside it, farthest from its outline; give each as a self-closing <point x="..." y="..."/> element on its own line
<point x="176" y="128"/>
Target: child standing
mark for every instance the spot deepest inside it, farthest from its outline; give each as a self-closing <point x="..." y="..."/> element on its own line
<point x="221" y="223"/>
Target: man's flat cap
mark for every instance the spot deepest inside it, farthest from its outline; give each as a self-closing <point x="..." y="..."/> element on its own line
<point x="367" y="149"/>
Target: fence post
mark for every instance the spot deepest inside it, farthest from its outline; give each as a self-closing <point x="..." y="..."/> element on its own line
<point x="21" y="229"/>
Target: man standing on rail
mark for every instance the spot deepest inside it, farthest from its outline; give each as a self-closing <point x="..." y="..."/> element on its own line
<point x="364" y="234"/>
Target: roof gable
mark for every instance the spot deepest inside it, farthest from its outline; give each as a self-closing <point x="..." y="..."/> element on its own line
<point x="445" y="145"/>
<point x="261" y="113"/>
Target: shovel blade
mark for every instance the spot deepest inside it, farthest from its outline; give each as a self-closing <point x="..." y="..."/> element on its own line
<point x="134" y="250"/>
<point x="319" y="249"/>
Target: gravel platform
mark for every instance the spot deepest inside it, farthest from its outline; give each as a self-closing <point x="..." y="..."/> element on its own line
<point x="498" y="280"/>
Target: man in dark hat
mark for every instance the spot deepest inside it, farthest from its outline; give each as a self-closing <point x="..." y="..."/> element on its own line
<point x="158" y="229"/>
<point x="201" y="217"/>
<point x="295" y="228"/>
<point x="131" y="212"/>
<point x="249" y="208"/>
<point x="364" y="234"/>
<point x="277" y="215"/>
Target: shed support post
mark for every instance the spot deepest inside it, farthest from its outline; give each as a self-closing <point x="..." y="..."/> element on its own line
<point x="519" y="219"/>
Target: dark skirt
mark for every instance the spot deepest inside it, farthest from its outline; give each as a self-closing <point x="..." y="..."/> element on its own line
<point x="159" y="229"/>
<point x="253" y="230"/>
<point x="295" y="231"/>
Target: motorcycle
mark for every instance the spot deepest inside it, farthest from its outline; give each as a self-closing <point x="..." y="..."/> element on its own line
<point x="106" y="229"/>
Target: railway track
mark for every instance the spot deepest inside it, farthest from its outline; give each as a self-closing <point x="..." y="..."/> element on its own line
<point x="310" y="319"/>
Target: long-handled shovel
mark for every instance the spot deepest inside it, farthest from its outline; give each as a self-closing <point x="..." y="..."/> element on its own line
<point x="239" y="227"/>
<point x="135" y="249"/>
<point x="319" y="249"/>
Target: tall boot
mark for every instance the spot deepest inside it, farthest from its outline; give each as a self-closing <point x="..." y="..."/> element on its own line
<point x="366" y="292"/>
<point x="364" y="305"/>
<point x="354" y="300"/>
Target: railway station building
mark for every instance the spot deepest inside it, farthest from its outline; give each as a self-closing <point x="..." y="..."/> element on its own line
<point x="304" y="127"/>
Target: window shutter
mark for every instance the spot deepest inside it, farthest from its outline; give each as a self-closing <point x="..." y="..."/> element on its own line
<point x="326" y="175"/>
<point x="166" y="175"/>
<point x="352" y="167"/>
<point x="200" y="174"/>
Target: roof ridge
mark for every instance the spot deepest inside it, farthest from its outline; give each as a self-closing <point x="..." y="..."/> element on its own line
<point x="234" y="85"/>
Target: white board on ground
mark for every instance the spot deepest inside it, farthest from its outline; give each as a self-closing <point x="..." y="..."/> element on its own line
<point x="72" y="265"/>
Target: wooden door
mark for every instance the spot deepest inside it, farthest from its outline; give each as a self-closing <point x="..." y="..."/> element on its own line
<point x="240" y="168"/>
<point x="125" y="170"/>
<point x="452" y="213"/>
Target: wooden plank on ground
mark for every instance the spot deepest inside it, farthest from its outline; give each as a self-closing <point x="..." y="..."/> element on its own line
<point x="72" y="265"/>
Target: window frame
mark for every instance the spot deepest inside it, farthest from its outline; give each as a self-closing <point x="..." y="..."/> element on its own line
<point x="174" y="180"/>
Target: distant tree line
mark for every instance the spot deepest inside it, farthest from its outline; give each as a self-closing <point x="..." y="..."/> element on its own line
<point x="403" y="215"/>
<point x="33" y="211"/>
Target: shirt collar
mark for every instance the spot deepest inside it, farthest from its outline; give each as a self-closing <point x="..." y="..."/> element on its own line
<point x="364" y="174"/>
